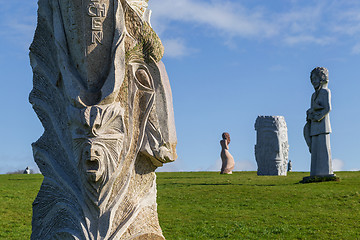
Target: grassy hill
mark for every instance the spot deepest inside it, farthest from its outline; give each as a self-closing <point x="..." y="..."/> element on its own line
<point x="207" y="205"/>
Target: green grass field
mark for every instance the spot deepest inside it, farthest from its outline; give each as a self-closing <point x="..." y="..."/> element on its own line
<point x="207" y="205"/>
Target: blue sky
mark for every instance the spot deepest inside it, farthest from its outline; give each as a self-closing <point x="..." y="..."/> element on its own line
<point x="228" y="62"/>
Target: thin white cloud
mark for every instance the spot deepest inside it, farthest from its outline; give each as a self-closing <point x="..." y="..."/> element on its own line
<point x="348" y="22"/>
<point x="245" y="165"/>
<point x="18" y="30"/>
<point x="169" y="167"/>
<point x="216" y="166"/>
<point x="176" y="47"/>
<point x="300" y="19"/>
<point x="337" y="164"/>
<point x="307" y="39"/>
<point x="314" y="22"/>
<point x="356" y="49"/>
<point x="224" y="16"/>
<point x="177" y="166"/>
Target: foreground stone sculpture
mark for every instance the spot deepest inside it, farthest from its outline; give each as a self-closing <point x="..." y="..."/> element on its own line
<point x="228" y="163"/>
<point x="289" y="166"/>
<point x="272" y="148"/>
<point x="104" y="99"/>
<point x="317" y="129"/>
<point x="27" y="170"/>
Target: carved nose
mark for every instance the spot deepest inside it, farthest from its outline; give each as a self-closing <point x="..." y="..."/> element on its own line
<point x="95" y="152"/>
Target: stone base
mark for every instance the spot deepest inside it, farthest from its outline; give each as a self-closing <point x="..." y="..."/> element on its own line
<point x="320" y="178"/>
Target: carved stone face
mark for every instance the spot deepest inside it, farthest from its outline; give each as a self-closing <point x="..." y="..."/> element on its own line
<point x="98" y="139"/>
<point x="319" y="77"/>
<point x="315" y="81"/>
<point x="104" y="97"/>
<point x="98" y="160"/>
<point x="93" y="161"/>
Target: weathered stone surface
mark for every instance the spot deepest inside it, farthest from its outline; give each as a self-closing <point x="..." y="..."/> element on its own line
<point x="272" y="148"/>
<point x="228" y="162"/>
<point x="104" y="99"/>
<point x="317" y="129"/>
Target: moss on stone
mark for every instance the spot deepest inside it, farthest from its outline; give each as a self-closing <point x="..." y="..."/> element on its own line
<point x="147" y="45"/>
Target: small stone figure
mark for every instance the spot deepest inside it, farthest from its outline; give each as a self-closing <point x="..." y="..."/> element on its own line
<point x="272" y="148"/>
<point x="317" y="129"/>
<point x="289" y="166"/>
<point x="27" y="170"/>
<point x="228" y="163"/>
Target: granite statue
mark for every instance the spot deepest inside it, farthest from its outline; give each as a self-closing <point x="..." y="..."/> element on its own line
<point x="317" y="128"/>
<point x="103" y="96"/>
<point x="227" y="159"/>
<point x="27" y="170"/>
<point x="272" y="148"/>
<point x="289" y="166"/>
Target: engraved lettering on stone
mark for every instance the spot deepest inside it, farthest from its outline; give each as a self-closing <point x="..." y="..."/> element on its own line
<point x="96" y="24"/>
<point x="92" y="10"/>
<point x="97" y="36"/>
<point x="97" y="12"/>
<point x="101" y="10"/>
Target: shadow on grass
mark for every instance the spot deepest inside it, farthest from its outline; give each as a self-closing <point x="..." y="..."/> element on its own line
<point x="22" y="179"/>
<point x="202" y="184"/>
<point x="217" y="184"/>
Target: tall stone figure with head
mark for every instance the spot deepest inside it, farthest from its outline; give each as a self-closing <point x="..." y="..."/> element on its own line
<point x="104" y="99"/>
<point x="317" y="129"/>
<point x="227" y="159"/>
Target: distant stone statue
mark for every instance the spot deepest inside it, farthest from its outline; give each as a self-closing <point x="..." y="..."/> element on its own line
<point x="272" y="148"/>
<point x="228" y="163"/>
<point x="317" y="129"/>
<point x="103" y="96"/>
<point x="27" y="170"/>
<point x="289" y="166"/>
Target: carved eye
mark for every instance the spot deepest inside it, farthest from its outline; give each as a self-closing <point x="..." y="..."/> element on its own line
<point x="97" y="153"/>
<point x="143" y="77"/>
